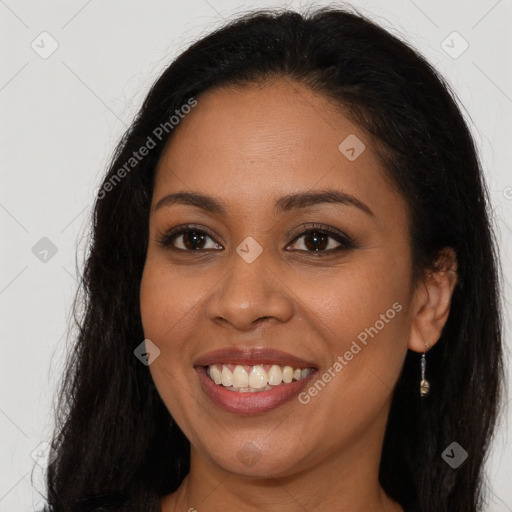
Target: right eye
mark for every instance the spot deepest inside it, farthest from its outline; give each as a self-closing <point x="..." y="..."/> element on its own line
<point x="187" y="238"/>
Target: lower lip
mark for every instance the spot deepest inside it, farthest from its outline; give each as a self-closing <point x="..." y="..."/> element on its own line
<point x="250" y="403"/>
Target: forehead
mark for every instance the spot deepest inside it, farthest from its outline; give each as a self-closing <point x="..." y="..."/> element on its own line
<point x="261" y="142"/>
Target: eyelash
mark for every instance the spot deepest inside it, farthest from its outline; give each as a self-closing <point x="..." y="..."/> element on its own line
<point x="346" y="241"/>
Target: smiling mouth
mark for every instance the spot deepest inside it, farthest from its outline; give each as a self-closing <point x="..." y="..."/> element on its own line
<point x="253" y="379"/>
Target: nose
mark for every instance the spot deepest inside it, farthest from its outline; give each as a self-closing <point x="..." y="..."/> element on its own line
<point x="249" y="294"/>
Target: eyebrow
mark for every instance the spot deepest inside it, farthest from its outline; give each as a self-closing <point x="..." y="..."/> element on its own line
<point x="283" y="204"/>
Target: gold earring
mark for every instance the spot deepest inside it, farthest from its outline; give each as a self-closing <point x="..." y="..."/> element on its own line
<point x="424" y="384"/>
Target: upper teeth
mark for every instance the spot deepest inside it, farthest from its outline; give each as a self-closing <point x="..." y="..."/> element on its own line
<point x="254" y="376"/>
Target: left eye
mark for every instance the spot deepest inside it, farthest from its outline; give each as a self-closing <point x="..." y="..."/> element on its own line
<point x="320" y="241"/>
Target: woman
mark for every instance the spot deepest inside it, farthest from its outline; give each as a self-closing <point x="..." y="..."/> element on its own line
<point x="291" y="297"/>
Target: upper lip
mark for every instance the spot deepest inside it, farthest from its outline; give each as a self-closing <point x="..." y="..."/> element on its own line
<point x="252" y="356"/>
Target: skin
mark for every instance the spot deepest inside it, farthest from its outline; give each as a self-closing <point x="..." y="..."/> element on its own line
<point x="248" y="147"/>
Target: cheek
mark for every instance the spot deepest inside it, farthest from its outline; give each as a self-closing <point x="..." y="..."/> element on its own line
<point x="167" y="302"/>
<point x="153" y="303"/>
<point x="360" y="327"/>
<point x="358" y="313"/>
<point x="167" y="306"/>
<point x="345" y="301"/>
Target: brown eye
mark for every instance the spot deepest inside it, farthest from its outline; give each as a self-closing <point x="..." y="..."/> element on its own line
<point x="316" y="241"/>
<point x="322" y="241"/>
<point x="188" y="239"/>
<point x="193" y="240"/>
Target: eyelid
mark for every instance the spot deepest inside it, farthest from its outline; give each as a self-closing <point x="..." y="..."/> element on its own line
<point x="307" y="228"/>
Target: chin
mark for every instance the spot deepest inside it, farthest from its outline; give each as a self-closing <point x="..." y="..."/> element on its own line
<point x="252" y="460"/>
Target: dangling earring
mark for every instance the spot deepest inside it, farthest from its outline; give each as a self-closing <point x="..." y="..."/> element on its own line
<point x="424" y="384"/>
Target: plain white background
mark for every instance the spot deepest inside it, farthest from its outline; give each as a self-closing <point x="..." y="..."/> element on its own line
<point x="62" y="115"/>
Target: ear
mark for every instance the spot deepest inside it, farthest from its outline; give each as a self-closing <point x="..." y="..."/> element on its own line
<point x="432" y="300"/>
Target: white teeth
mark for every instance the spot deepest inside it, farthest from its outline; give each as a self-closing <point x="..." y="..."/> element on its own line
<point x="275" y="375"/>
<point x="257" y="377"/>
<point x="287" y="374"/>
<point x="215" y="374"/>
<point x="240" y="377"/>
<point x="254" y="378"/>
<point x="226" y="376"/>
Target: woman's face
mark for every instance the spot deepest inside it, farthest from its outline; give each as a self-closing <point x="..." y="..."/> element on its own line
<point x="247" y="287"/>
